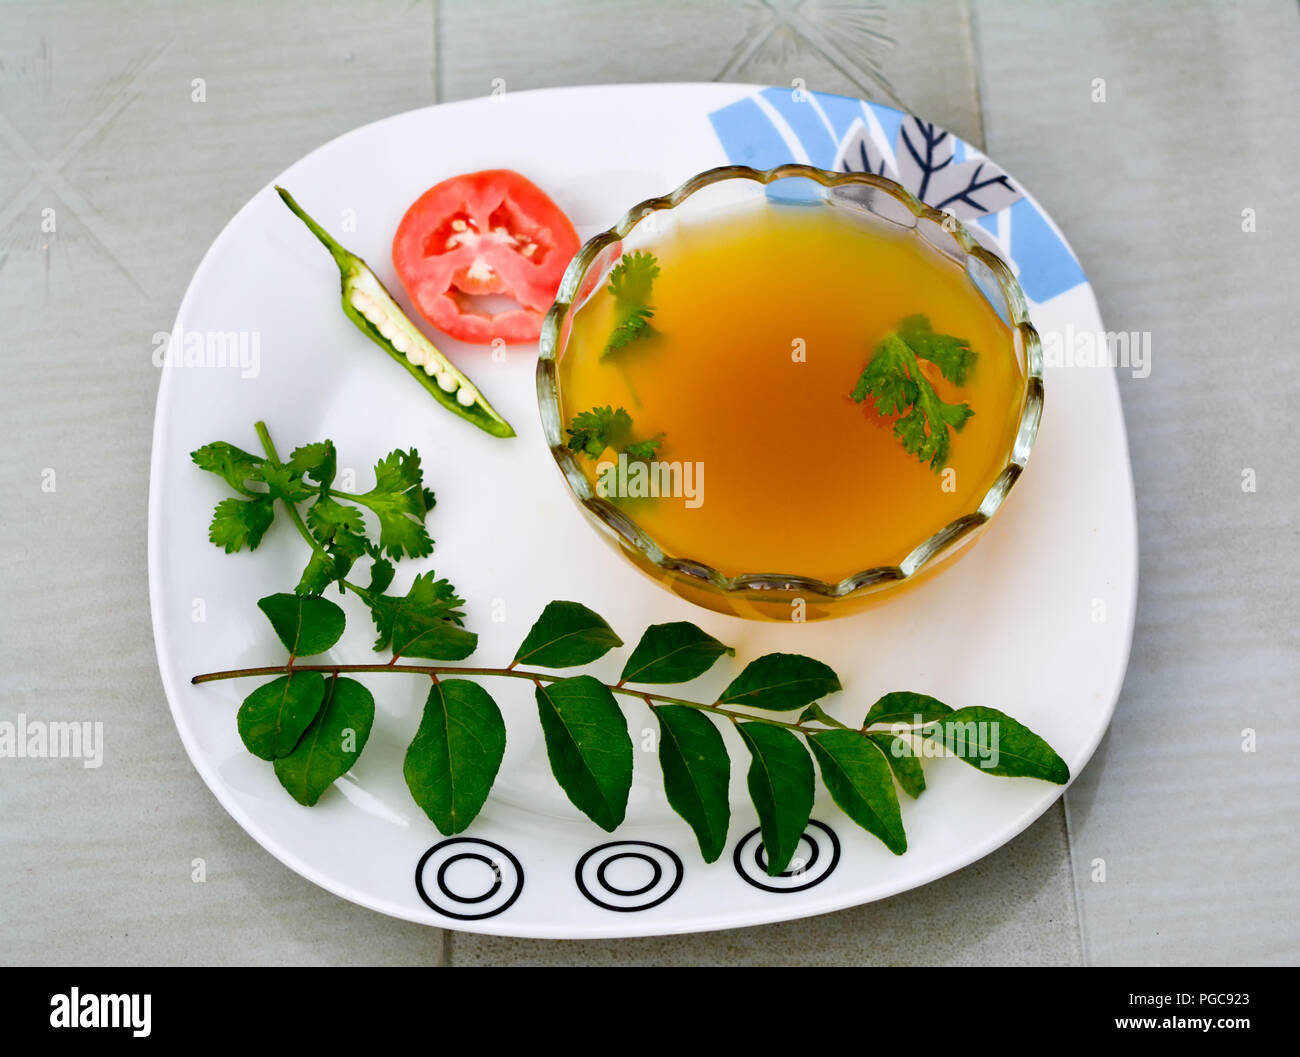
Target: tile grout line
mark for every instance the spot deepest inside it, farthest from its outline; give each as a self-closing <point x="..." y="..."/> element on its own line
<point x="1074" y="880"/>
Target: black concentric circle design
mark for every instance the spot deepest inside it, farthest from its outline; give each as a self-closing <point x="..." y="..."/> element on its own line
<point x="815" y="860"/>
<point x="500" y="879"/>
<point x="655" y="871"/>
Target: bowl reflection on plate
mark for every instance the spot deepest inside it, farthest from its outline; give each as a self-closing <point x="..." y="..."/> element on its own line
<point x="781" y="594"/>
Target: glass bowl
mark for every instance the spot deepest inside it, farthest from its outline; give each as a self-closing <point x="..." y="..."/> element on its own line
<point x="786" y="594"/>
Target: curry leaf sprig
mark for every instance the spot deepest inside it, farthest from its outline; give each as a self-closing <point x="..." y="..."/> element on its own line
<point x="894" y="380"/>
<point x="311" y="721"/>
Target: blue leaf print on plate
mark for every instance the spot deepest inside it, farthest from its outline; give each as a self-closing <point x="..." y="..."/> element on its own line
<point x="925" y="162"/>
<point x="851" y="135"/>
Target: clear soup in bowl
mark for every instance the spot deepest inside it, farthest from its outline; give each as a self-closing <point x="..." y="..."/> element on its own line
<point x="789" y="393"/>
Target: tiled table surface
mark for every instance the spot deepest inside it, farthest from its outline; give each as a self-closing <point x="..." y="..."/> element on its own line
<point x="1199" y="122"/>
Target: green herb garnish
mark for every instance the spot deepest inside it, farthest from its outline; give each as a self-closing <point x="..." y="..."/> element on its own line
<point x="631" y="283"/>
<point x="334" y="523"/>
<point x="311" y="721"/>
<point x="893" y="379"/>
<point x="591" y="432"/>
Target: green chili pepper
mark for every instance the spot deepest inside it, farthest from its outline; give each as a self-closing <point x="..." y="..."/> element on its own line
<point x="371" y="307"/>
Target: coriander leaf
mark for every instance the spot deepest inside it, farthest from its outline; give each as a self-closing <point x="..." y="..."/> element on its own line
<point x="632" y="278"/>
<point x="331" y="744"/>
<point x="983" y="736"/>
<point x="697" y="774"/>
<point x="896" y="384"/>
<point x="424" y="623"/>
<point x="903" y="706"/>
<point x="781" y="682"/>
<point x="318" y="575"/>
<point x="273" y="717"/>
<point x="305" y="625"/>
<point x="634" y="323"/>
<point x="381" y="575"/>
<point x="591" y="432"/>
<point x="241" y="522"/>
<point x="644" y="449"/>
<point x="400" y="500"/>
<point x="924" y="431"/>
<point x="237" y="466"/>
<point x="456" y="753"/>
<point x="630" y="283"/>
<point x="672" y="653"/>
<point x="588" y="746"/>
<point x="887" y="378"/>
<point x="565" y="635"/>
<point x="780" y="781"/>
<point x="860" y="781"/>
<point x="903" y="761"/>
<point x="913" y="429"/>
<point x="326" y="518"/>
<point x="331" y="563"/>
<point x="318" y="461"/>
<point x="953" y="356"/>
<point x="339" y="530"/>
<point x="283" y="482"/>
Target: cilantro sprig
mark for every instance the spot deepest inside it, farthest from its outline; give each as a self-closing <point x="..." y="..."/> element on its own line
<point x="631" y="283"/>
<point x="591" y="432"/>
<point x="335" y="524"/>
<point x="895" y="382"/>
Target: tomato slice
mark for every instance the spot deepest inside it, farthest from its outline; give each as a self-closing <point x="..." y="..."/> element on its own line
<point x="493" y="232"/>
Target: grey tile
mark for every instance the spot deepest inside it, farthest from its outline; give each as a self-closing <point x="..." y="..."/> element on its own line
<point x="1195" y="836"/>
<point x="912" y="53"/>
<point x="97" y="865"/>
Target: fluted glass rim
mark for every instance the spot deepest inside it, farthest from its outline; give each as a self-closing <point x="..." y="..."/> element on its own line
<point x="927" y="552"/>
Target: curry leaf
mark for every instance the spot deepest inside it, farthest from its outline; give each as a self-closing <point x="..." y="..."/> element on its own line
<point x="305" y="624"/>
<point x="454" y="759"/>
<point x="903" y="706"/>
<point x="588" y="746"/>
<point x="781" y="682"/>
<point x="860" y="781"/>
<point x="565" y="635"/>
<point x="903" y="761"/>
<point x="995" y="743"/>
<point x="780" y="784"/>
<point x="697" y="773"/>
<point x="672" y="653"/>
<point x="331" y="744"/>
<point x="273" y="717"/>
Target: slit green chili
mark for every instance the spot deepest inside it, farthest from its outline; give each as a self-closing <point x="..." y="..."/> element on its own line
<point x="367" y="302"/>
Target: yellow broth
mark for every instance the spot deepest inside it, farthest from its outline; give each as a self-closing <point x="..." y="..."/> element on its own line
<point x="763" y="321"/>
